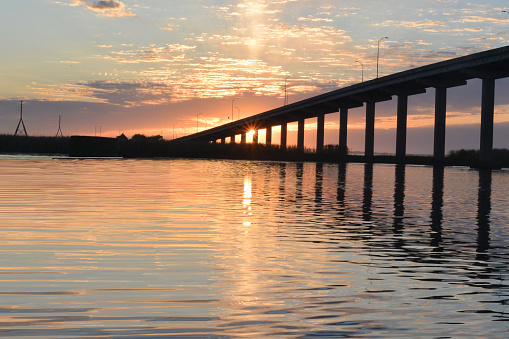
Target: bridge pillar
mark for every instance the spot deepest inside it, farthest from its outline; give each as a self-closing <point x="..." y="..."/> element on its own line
<point x="243" y="138"/>
<point x="487" y="117"/>
<point x="320" y="133"/>
<point x="232" y="139"/>
<point x="440" y="119"/>
<point x="369" y="137"/>
<point x="300" y="135"/>
<point x="255" y="136"/>
<point x="223" y="141"/>
<point x="268" y="136"/>
<point x="343" y="130"/>
<point x="401" y="128"/>
<point x="284" y="135"/>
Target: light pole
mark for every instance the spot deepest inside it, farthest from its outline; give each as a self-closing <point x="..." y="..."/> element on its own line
<point x="232" y="106"/>
<point x="286" y="95"/>
<point x="362" y="70"/>
<point x="197" y="115"/>
<point x="378" y="54"/>
<point x="238" y="116"/>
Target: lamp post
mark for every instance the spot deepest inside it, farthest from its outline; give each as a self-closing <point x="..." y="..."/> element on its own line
<point x="362" y="70"/>
<point x="232" y="106"/>
<point x="286" y="95"/>
<point x="197" y="115"/>
<point x="378" y="54"/>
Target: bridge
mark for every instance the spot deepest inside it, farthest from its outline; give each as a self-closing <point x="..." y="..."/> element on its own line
<point x="487" y="66"/>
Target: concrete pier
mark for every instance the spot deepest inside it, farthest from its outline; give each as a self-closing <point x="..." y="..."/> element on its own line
<point x="320" y="133"/>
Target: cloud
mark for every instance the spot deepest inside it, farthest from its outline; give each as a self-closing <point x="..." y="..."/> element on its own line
<point x="111" y="8"/>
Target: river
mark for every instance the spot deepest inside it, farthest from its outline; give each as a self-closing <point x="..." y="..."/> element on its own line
<point x="226" y="249"/>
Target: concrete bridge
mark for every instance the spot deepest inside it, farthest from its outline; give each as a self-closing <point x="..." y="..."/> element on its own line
<point x="487" y="66"/>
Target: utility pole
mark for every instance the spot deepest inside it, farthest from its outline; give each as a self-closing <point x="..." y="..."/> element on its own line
<point x="22" y="130"/>
<point x="286" y="94"/>
<point x="59" y="132"/>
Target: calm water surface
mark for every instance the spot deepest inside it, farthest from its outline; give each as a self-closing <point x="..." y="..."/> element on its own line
<point x="227" y="249"/>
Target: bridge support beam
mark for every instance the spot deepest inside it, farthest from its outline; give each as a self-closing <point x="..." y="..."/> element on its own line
<point x="243" y="138"/>
<point x="255" y="136"/>
<point x="369" y="137"/>
<point x="268" y="136"/>
<point x="440" y="123"/>
<point x="343" y="130"/>
<point x="284" y="135"/>
<point x="487" y="118"/>
<point x="401" y="128"/>
<point x="223" y="141"/>
<point x="232" y="139"/>
<point x="300" y="135"/>
<point x="320" y="133"/>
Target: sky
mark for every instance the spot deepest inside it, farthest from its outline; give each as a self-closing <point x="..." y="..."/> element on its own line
<point x="165" y="67"/>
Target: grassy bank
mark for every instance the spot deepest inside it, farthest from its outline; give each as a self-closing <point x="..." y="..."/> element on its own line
<point x="153" y="147"/>
<point x="140" y="146"/>
<point x="35" y="145"/>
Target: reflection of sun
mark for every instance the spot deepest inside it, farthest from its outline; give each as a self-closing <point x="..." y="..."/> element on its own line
<point x="247" y="191"/>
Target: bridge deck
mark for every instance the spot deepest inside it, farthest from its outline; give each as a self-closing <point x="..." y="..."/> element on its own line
<point x="491" y="64"/>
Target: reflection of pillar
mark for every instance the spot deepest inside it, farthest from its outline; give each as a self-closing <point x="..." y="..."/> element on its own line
<point x="268" y="136"/>
<point x="483" y="213"/>
<point x="320" y="133"/>
<point x="282" y="181"/>
<point x="255" y="136"/>
<point x="487" y="116"/>
<point x="437" y="203"/>
<point x="440" y="116"/>
<point x="318" y="186"/>
<point x="343" y="130"/>
<point x="367" y="199"/>
<point x="399" y="197"/>
<point x="243" y="138"/>
<point x="300" y="135"/>
<point x="298" y="185"/>
<point x="284" y="134"/>
<point x="401" y="127"/>
<point x="341" y="184"/>
<point x="369" y="137"/>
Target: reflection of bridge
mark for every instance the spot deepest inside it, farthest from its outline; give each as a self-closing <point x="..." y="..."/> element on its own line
<point x="488" y="66"/>
<point x="437" y="245"/>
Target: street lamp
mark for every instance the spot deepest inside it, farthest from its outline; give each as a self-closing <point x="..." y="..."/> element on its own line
<point x="197" y="115"/>
<point x="362" y="70"/>
<point x="378" y="54"/>
<point x="286" y="95"/>
<point x="232" y="106"/>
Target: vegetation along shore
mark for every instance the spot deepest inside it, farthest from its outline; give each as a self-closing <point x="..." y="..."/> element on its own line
<point x="141" y="146"/>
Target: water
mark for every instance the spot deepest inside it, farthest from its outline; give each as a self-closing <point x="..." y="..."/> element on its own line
<point x="226" y="249"/>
